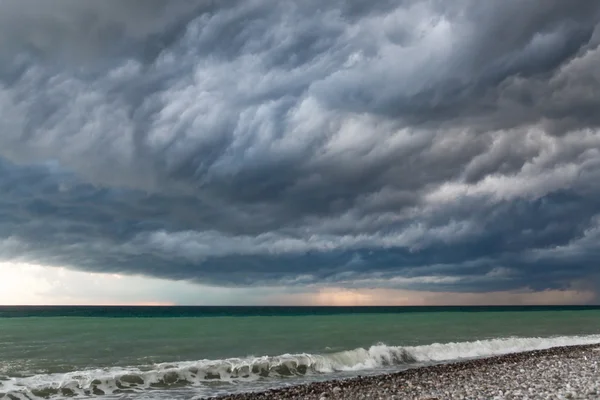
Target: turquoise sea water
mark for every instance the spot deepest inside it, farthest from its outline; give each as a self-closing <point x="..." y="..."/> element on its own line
<point x="187" y="352"/>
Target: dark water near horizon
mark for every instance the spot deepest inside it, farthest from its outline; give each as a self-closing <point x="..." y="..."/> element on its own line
<point x="223" y="311"/>
<point x="188" y="352"/>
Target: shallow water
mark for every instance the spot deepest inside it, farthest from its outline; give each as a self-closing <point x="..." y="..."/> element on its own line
<point x="182" y="353"/>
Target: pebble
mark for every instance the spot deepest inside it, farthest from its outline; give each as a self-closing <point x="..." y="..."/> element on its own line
<point x="559" y="373"/>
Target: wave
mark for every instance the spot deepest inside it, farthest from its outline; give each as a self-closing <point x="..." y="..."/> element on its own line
<point x="166" y="375"/>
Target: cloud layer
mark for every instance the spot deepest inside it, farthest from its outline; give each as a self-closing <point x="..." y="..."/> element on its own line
<point x="414" y="145"/>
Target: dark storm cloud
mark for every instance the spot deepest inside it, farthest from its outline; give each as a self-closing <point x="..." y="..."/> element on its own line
<point x="440" y="145"/>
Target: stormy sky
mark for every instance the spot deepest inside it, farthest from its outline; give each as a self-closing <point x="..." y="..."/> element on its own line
<point x="435" y="150"/>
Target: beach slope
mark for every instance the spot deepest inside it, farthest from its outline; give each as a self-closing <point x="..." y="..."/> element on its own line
<point x="571" y="372"/>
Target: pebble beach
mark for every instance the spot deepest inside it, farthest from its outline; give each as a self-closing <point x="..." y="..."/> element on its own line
<point x="558" y="373"/>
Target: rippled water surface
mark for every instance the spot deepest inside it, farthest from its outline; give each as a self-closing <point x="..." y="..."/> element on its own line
<point x="173" y="352"/>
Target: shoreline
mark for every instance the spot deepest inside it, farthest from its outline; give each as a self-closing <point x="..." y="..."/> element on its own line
<point x="567" y="372"/>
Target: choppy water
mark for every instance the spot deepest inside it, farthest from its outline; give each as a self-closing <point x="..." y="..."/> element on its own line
<point x="173" y="352"/>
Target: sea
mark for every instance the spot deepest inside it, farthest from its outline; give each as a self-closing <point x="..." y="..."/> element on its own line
<point x="199" y="352"/>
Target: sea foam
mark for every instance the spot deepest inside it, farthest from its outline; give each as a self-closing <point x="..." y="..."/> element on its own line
<point x="198" y="373"/>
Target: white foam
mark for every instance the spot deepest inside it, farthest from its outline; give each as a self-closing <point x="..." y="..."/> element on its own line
<point x="492" y="347"/>
<point x="197" y="373"/>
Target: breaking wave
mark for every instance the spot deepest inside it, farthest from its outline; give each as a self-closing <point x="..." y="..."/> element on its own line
<point x="197" y="373"/>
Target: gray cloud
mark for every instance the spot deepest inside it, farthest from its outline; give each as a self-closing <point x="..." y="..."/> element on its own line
<point x="425" y="145"/>
<point x="71" y="28"/>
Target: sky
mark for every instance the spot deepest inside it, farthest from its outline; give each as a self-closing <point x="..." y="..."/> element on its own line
<point x="299" y="152"/>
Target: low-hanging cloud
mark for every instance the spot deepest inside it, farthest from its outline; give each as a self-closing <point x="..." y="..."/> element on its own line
<point x="421" y="145"/>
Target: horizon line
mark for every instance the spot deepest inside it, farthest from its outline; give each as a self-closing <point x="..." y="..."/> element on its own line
<point x="296" y="305"/>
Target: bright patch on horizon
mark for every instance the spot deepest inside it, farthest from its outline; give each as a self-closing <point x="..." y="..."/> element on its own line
<point x="27" y="284"/>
